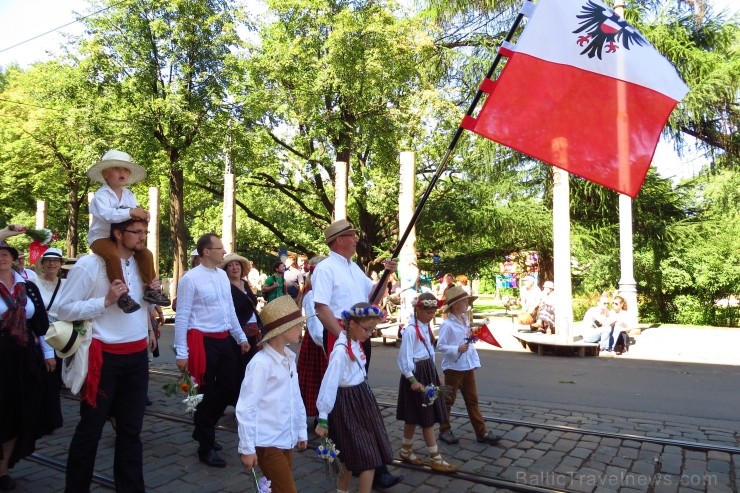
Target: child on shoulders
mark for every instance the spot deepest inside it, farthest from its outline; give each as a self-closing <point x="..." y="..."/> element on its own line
<point x="114" y="203"/>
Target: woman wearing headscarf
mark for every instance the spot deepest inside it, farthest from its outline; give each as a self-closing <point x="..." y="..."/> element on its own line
<point x="23" y="322"/>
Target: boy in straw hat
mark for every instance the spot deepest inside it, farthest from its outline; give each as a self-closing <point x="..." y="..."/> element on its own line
<point x="270" y="412"/>
<point x="114" y="203"/>
<point x="459" y="362"/>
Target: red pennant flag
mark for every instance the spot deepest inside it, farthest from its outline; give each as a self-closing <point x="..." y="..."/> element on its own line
<point x="484" y="334"/>
<point x="584" y="91"/>
<point x="35" y="251"/>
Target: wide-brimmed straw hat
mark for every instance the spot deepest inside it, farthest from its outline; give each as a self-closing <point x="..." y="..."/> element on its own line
<point x="337" y="229"/>
<point x="13" y="251"/>
<point x="549" y="284"/>
<point x="279" y="316"/>
<point x="455" y="294"/>
<point x="52" y="253"/>
<point x="63" y="337"/>
<point x="231" y="257"/>
<point x="112" y="159"/>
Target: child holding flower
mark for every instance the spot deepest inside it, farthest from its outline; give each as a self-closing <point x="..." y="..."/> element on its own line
<point x="417" y="391"/>
<point x="348" y="411"/>
<point x="459" y="362"/>
<point x="270" y="412"/>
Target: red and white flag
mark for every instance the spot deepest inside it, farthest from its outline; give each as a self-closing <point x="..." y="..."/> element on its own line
<point x="584" y="91"/>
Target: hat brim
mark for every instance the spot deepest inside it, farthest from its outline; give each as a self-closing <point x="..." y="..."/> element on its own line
<point x="237" y="258"/>
<point x="283" y="329"/>
<point x="340" y="233"/>
<point x="63" y="346"/>
<point x="13" y="251"/>
<point x="446" y="307"/>
<point x="95" y="172"/>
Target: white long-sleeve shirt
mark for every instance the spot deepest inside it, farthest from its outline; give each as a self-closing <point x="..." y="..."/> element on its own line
<point x="339" y="283"/>
<point x="315" y="328"/>
<point x="270" y="411"/>
<point x="204" y="302"/>
<point x="452" y="333"/>
<point x="83" y="298"/>
<point x="107" y="209"/>
<point x="412" y="348"/>
<point x="341" y="372"/>
<point x="47" y="291"/>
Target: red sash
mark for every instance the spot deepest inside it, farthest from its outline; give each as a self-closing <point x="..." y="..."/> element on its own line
<point x="197" y="353"/>
<point x="95" y="365"/>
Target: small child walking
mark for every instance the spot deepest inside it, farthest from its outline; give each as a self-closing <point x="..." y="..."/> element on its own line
<point x="270" y="413"/>
<point x="348" y="411"/>
<point x="114" y="203"/>
<point x="459" y="362"/>
<point x="416" y="362"/>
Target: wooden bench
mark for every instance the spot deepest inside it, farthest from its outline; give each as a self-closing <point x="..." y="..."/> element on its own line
<point x="388" y="331"/>
<point x="542" y="343"/>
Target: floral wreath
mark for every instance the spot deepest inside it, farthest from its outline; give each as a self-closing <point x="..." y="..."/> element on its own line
<point x="428" y="303"/>
<point x="362" y="312"/>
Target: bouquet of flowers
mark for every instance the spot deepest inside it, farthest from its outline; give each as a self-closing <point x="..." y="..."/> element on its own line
<point x="471" y="337"/>
<point x="261" y="483"/>
<point x="43" y="236"/>
<point x="189" y="386"/>
<point x="328" y="453"/>
<point x="429" y="395"/>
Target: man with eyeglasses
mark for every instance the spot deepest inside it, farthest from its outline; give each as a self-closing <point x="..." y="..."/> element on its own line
<point x="598" y="322"/>
<point x="205" y="319"/>
<point x="338" y="284"/>
<point x="118" y="370"/>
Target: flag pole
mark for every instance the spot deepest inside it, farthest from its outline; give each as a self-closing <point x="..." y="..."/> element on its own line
<point x="458" y="133"/>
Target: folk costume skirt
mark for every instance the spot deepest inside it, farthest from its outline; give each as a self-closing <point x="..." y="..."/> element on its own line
<point x="357" y="429"/>
<point x="410" y="408"/>
<point x="311" y="368"/>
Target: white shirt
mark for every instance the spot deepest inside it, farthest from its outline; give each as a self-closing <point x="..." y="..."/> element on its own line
<point x="452" y="333"/>
<point x="270" y="411"/>
<point x="30" y="307"/>
<point x="315" y="328"/>
<point x="204" y="302"/>
<point x="412" y="348"/>
<point x="339" y="283"/>
<point x="83" y="298"/>
<point x="107" y="209"/>
<point x="341" y="372"/>
<point x="29" y="275"/>
<point x="47" y="291"/>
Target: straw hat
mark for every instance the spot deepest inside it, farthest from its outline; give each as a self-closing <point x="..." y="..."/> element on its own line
<point x="337" y="229"/>
<point x="455" y="294"/>
<point x="63" y="337"/>
<point x="279" y="316"/>
<point x="112" y="159"/>
<point x="231" y="257"/>
<point x="13" y="251"/>
<point x="194" y="253"/>
<point x="549" y="284"/>
<point x="52" y="253"/>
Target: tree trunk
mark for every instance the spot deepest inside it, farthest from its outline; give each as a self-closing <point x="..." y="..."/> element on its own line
<point x="177" y="222"/>
<point x="73" y="216"/>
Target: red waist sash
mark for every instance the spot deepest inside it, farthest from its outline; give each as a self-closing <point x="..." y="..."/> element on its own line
<point x="95" y="364"/>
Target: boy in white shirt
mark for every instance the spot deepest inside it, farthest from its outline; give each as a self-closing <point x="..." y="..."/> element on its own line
<point x="114" y="203"/>
<point x="270" y="412"/>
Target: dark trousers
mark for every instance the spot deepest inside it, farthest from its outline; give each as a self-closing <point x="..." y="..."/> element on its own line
<point x="124" y="380"/>
<point x="220" y="388"/>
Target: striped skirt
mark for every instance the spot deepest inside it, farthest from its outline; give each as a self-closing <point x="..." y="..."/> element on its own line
<point x="357" y="429"/>
<point x="311" y="368"/>
<point x="410" y="409"/>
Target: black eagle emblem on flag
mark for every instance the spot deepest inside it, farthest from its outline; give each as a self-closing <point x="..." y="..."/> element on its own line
<point x="602" y="27"/>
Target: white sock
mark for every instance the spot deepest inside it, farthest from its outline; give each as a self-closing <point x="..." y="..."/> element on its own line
<point x="432" y="450"/>
<point x="408" y="442"/>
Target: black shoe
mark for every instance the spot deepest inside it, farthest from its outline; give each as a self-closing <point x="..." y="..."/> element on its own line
<point x="127" y="304"/>
<point x="448" y="437"/>
<point x="488" y="438"/>
<point x="148" y="401"/>
<point x="212" y="459"/>
<point x="217" y="447"/>
<point x="386" y="480"/>
<point x="7" y="483"/>
<point x="156" y="298"/>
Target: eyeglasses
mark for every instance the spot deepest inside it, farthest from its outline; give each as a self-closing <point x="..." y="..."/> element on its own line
<point x="367" y="330"/>
<point x="137" y="233"/>
<point x="348" y="235"/>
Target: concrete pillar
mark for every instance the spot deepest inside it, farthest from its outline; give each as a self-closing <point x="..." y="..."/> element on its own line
<point x="152" y="239"/>
<point x="40" y="214"/>
<point x="228" y="229"/>
<point x="408" y="271"/>
<point x="341" y="175"/>
<point x="561" y="243"/>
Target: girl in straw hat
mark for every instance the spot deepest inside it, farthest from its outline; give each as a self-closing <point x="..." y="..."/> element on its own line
<point x="270" y="412"/>
<point x="348" y="411"/>
<point x="459" y="362"/>
<point x="416" y="362"/>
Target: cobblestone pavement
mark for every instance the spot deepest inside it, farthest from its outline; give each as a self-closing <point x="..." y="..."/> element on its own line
<point x="559" y="459"/>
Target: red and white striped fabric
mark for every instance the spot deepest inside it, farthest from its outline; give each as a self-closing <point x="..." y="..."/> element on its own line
<point x="584" y="91"/>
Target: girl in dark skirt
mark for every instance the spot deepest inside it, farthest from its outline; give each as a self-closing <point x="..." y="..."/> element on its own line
<point x="415" y="405"/>
<point x="312" y="360"/>
<point x="348" y="411"/>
